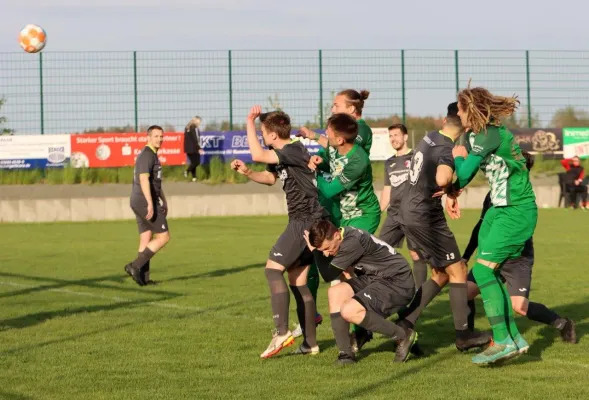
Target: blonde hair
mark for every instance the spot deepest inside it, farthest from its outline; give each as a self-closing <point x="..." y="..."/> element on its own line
<point x="193" y="122"/>
<point x="482" y="108"/>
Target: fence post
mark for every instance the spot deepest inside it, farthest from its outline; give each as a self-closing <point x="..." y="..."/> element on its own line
<point x="528" y="88"/>
<point x="41" y="93"/>
<point x="321" y="89"/>
<point x="230" y="91"/>
<point x="403" y="115"/>
<point x="135" y="96"/>
<point x="456" y="71"/>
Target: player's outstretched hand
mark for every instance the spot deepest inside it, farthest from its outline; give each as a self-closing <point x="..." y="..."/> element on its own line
<point x="314" y="161"/>
<point x="309" y="245"/>
<point x="305" y="133"/>
<point x="240" y="167"/>
<point x="459" y="151"/>
<point x="452" y="207"/>
<point x="254" y="113"/>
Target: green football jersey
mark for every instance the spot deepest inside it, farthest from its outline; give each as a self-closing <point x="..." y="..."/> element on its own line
<point x="354" y="173"/>
<point x="504" y="166"/>
<point x="364" y="138"/>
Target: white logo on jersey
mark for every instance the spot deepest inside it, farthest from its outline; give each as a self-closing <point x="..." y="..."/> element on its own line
<point x="523" y="290"/>
<point x="367" y="295"/>
<point x="277" y="255"/>
<point x="398" y="179"/>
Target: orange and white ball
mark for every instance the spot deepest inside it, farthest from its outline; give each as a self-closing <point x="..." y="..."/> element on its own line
<point x="32" y="38"/>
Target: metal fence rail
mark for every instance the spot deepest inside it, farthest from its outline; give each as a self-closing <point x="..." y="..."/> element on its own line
<point x="75" y="92"/>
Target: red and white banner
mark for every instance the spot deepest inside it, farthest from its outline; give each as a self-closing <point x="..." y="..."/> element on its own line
<point x="106" y="150"/>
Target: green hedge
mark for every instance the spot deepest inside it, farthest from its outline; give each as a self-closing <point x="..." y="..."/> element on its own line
<point x="215" y="173"/>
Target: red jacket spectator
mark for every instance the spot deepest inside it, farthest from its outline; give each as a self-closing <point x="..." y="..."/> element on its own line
<point x="574" y="182"/>
<point x="575" y="172"/>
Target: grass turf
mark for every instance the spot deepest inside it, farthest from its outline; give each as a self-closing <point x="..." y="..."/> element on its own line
<point x="74" y="326"/>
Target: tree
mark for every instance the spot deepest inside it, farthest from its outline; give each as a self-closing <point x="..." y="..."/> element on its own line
<point x="569" y="117"/>
<point x="3" y="120"/>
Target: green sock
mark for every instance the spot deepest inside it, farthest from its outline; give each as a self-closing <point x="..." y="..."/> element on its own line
<point x="494" y="301"/>
<point x="512" y="327"/>
<point x="313" y="281"/>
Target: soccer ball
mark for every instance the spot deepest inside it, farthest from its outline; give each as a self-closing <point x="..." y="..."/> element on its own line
<point x="32" y="38"/>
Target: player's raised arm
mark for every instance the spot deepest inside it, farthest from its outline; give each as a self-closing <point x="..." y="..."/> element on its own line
<point x="259" y="154"/>
<point x="306" y="133"/>
<point x="264" y="177"/>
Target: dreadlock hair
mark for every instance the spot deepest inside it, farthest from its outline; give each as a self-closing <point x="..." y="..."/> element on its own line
<point x="355" y="99"/>
<point x="483" y="108"/>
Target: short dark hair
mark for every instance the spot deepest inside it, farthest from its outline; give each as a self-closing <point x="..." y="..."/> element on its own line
<point x="452" y="117"/>
<point x="321" y="231"/>
<point x="401" y="127"/>
<point x="277" y="122"/>
<point x="344" y="125"/>
<point x="154" y="128"/>
<point x="529" y="160"/>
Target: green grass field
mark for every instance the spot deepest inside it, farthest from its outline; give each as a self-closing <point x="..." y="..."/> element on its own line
<point x="73" y="326"/>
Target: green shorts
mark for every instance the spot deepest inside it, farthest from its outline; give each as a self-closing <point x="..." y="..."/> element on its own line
<point x="505" y="230"/>
<point x="367" y="222"/>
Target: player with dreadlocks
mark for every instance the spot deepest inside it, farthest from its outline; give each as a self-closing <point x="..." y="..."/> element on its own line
<point x="511" y="220"/>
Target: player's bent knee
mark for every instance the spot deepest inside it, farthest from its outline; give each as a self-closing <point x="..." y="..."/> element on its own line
<point x="519" y="305"/>
<point x="352" y="311"/>
<point x="274" y="265"/>
<point x="414" y="255"/>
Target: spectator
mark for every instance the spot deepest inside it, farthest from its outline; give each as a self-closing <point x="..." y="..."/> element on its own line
<point x="574" y="186"/>
<point x="192" y="146"/>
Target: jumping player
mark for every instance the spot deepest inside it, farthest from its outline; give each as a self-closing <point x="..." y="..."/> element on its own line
<point x="288" y="161"/>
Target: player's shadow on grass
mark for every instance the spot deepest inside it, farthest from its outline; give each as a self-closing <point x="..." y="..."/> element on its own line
<point x="549" y="336"/>
<point x="14" y="396"/>
<point x="217" y="273"/>
<point x="37" y="318"/>
<point x="56" y="284"/>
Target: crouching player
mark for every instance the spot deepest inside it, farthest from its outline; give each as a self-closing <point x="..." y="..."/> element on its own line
<point x="382" y="283"/>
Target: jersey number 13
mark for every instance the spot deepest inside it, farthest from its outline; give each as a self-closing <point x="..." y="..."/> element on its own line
<point x="416" y="164"/>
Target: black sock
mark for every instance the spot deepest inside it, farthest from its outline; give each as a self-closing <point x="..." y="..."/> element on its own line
<point x="423" y="297"/>
<point x="419" y="273"/>
<point x="145" y="269"/>
<point x="306" y="312"/>
<point x="540" y="313"/>
<point x="459" y="305"/>
<point x="280" y="298"/>
<point x="471" y="315"/>
<point x="375" y="323"/>
<point x="142" y="258"/>
<point x="341" y="331"/>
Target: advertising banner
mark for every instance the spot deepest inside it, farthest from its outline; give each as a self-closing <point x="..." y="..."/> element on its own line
<point x="546" y="141"/>
<point x="576" y="142"/>
<point x="106" y="150"/>
<point x="34" y="151"/>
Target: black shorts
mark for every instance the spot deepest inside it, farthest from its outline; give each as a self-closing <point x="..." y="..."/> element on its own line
<point x="158" y="222"/>
<point x="436" y="243"/>
<point x="392" y="233"/>
<point x="291" y="245"/>
<point x="517" y="276"/>
<point x="381" y="295"/>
